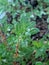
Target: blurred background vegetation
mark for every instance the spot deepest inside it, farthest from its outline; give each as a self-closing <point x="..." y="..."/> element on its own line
<point x="24" y="32"/>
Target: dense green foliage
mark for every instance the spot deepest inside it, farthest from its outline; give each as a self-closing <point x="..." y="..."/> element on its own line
<point x="17" y="24"/>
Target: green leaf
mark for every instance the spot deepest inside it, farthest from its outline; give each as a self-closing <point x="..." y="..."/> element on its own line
<point x="39" y="63"/>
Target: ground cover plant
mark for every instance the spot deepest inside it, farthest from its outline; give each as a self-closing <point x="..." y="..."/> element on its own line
<point x="24" y="32"/>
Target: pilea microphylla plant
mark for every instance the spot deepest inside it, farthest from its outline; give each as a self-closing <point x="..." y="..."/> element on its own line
<point x="24" y="32"/>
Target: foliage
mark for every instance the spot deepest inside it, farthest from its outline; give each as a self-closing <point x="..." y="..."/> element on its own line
<point x="16" y="45"/>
